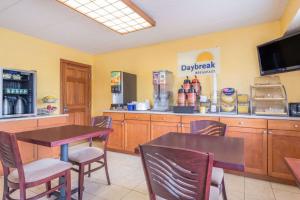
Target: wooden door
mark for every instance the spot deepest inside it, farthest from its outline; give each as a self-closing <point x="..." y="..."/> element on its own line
<point x="255" y="148"/>
<point x="136" y="132"/>
<point x="282" y="143"/>
<point x="76" y="91"/>
<point x="116" y="137"/>
<point x="161" y="128"/>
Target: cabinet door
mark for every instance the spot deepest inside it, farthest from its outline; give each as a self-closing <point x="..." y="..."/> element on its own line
<point x="161" y="128"/>
<point x="185" y="128"/>
<point x="116" y="137"/>
<point x="282" y="144"/>
<point x="255" y="148"/>
<point x="136" y="132"/>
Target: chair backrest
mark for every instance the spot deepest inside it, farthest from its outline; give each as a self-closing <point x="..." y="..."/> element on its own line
<point x="102" y="122"/>
<point x="10" y="155"/>
<point x="173" y="173"/>
<point x="208" y="127"/>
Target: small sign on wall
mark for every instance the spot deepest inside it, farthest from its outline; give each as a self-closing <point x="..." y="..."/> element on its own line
<point x="199" y="62"/>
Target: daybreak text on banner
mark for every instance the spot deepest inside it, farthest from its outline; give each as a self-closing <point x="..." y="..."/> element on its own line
<point x="199" y="62"/>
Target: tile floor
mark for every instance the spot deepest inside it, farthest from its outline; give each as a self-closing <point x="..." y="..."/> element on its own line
<point x="128" y="183"/>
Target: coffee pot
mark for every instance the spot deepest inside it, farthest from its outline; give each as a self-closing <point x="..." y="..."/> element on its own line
<point x="20" y="105"/>
<point x="7" y="107"/>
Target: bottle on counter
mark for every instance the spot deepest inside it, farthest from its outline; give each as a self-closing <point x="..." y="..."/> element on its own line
<point x="196" y="85"/>
<point x="192" y="97"/>
<point x="186" y="84"/>
<point x="181" y="97"/>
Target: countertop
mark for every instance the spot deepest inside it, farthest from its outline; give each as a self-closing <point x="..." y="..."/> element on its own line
<point x="207" y="114"/>
<point x="31" y="117"/>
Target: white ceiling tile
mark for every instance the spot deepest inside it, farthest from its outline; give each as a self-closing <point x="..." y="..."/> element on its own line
<point x="175" y="19"/>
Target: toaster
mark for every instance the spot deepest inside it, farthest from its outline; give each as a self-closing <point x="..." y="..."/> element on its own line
<point x="294" y="109"/>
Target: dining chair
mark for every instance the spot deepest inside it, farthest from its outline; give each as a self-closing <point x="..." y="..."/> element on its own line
<point x="85" y="156"/>
<point x="213" y="128"/>
<point x="174" y="173"/>
<point x="208" y="127"/>
<point x="19" y="176"/>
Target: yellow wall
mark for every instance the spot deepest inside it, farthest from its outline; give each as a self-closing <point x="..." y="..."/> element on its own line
<point x="239" y="62"/>
<point x="24" y="52"/>
<point x="289" y="13"/>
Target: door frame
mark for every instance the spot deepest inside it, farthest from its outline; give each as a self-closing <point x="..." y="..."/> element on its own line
<point x="62" y="86"/>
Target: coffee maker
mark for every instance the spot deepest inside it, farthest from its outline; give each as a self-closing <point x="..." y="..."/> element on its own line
<point x="163" y="94"/>
<point x="123" y="89"/>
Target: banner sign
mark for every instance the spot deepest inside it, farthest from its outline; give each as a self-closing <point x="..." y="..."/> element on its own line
<point x="200" y="62"/>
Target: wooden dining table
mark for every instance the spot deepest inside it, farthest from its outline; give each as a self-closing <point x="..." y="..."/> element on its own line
<point x="228" y="151"/>
<point x="61" y="136"/>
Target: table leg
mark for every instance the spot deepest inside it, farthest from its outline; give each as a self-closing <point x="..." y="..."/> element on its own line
<point x="64" y="156"/>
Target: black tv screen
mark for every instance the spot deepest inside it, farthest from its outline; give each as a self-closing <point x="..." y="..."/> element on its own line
<point x="281" y="55"/>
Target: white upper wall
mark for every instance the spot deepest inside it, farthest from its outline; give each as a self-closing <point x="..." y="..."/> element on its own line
<point x="175" y="19"/>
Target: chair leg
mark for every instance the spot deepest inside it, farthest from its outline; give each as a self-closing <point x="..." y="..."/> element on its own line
<point x="68" y="185"/>
<point x="5" y="189"/>
<point x="22" y="192"/>
<point x="224" y="190"/>
<point x="89" y="174"/>
<point x="106" y="170"/>
<point x="48" y="187"/>
<point x="80" y="182"/>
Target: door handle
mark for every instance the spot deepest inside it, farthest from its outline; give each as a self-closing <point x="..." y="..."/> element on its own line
<point x="65" y="109"/>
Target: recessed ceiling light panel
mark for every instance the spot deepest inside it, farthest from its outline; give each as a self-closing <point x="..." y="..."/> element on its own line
<point x="122" y="16"/>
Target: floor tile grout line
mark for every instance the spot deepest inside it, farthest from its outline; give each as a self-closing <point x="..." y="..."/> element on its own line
<point x="244" y="188"/>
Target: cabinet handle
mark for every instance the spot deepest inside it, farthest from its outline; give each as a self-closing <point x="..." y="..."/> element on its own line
<point x="270" y="132"/>
<point x="241" y="123"/>
<point x="296" y="126"/>
<point x="264" y="132"/>
<point x="182" y="125"/>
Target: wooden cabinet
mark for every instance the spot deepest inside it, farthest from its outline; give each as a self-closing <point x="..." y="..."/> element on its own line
<point x="289" y="125"/>
<point x="160" y="128"/>
<point x="137" y="116"/>
<point x="244" y="122"/>
<point x="115" y="116"/>
<point x="136" y="132"/>
<point x="116" y="137"/>
<point x="166" y="118"/>
<point x="255" y="148"/>
<point x="282" y="143"/>
<point x="255" y="135"/>
<point x="186" y="119"/>
<point x="267" y="142"/>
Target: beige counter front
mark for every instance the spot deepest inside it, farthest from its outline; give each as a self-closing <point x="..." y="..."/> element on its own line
<point x="30" y="152"/>
<point x="268" y="139"/>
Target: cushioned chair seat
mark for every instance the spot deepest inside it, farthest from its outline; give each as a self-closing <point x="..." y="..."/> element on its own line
<point x="39" y="170"/>
<point x="217" y="176"/>
<point x="85" y="154"/>
<point x="214" y="194"/>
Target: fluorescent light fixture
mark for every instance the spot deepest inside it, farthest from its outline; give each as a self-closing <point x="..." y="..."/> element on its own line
<point x="122" y="16"/>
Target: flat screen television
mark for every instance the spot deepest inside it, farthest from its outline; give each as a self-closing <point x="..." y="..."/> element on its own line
<point x="281" y="55"/>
